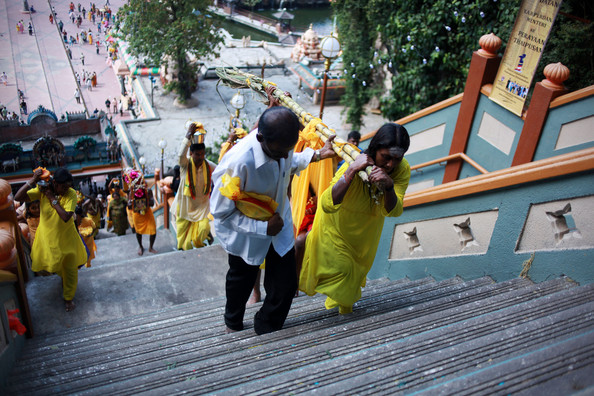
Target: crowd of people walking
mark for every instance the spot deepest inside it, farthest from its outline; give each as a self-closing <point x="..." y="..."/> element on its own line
<point x="81" y="27"/>
<point x="327" y="248"/>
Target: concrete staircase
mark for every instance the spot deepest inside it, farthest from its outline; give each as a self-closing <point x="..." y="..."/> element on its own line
<point x="121" y="284"/>
<point x="422" y="336"/>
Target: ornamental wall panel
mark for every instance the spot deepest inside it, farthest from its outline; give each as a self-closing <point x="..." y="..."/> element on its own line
<point x="432" y="137"/>
<point x="496" y="133"/>
<point x="466" y="234"/>
<point x="558" y="225"/>
<point x="575" y="133"/>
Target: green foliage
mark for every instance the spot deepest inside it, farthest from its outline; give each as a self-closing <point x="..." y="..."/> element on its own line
<point x="11" y="148"/>
<point x="572" y="43"/>
<point x="250" y="3"/>
<point x="166" y="32"/>
<point x="85" y="143"/>
<point x="425" y="45"/>
<point x="357" y="35"/>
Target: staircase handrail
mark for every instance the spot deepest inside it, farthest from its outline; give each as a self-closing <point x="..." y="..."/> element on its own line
<point x="450" y="157"/>
<point x="577" y="161"/>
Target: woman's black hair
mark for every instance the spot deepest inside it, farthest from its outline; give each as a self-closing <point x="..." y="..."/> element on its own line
<point x="62" y="175"/>
<point x="197" y="147"/>
<point x="392" y="136"/>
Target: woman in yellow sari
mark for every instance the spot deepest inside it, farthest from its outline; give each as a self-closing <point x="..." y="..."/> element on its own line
<point x="57" y="248"/>
<point x="341" y="246"/>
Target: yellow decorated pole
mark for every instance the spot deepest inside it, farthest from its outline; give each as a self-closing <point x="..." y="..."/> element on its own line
<point x="237" y="79"/>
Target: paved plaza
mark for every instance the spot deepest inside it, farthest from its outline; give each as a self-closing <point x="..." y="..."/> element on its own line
<point x="39" y="66"/>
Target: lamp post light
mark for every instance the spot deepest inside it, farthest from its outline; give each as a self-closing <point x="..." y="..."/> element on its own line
<point x="330" y="47"/>
<point x="152" y="79"/>
<point x="238" y="102"/>
<point x="162" y="144"/>
<point x="142" y="162"/>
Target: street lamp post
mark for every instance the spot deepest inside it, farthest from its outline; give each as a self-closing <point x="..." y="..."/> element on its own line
<point x="142" y="162"/>
<point x="152" y="79"/>
<point x="238" y="103"/>
<point x="330" y="47"/>
<point x="162" y="145"/>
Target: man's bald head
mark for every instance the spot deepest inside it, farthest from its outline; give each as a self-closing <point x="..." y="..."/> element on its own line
<point x="279" y="124"/>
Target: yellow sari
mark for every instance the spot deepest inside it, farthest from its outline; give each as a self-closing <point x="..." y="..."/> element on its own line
<point x="341" y="246"/>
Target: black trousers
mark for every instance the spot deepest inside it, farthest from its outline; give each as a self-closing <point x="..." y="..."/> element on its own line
<point x="280" y="284"/>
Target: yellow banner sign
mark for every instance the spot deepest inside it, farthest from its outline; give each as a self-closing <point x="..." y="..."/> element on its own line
<point x="524" y="49"/>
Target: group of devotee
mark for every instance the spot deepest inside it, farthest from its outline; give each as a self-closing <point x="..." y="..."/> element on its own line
<point x="57" y="248"/>
<point x="248" y="196"/>
<point x="63" y="222"/>
<point x="253" y="221"/>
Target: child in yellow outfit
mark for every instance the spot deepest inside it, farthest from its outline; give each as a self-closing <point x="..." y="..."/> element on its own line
<point x="86" y="228"/>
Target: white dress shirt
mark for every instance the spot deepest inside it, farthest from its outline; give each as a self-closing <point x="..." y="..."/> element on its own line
<point x="243" y="236"/>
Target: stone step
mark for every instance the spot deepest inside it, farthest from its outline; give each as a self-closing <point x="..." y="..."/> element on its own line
<point x="207" y="315"/>
<point x="124" y="289"/>
<point x="164" y="318"/>
<point x="116" y="249"/>
<point x="148" y="337"/>
<point x="182" y="351"/>
<point x="413" y="360"/>
<point x="543" y="371"/>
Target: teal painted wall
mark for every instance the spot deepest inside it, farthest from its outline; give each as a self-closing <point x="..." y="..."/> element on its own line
<point x="447" y="116"/>
<point x="501" y="262"/>
<point x="488" y="156"/>
<point x="555" y="120"/>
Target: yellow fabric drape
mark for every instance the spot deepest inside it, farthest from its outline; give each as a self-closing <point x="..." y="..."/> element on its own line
<point x="341" y="246"/>
<point x="240" y="133"/>
<point x="144" y="224"/>
<point x="190" y="184"/>
<point x="253" y="205"/>
<point x="318" y="174"/>
<point x="58" y="248"/>
<point x="87" y="229"/>
<point x="191" y="234"/>
<point x="226" y="146"/>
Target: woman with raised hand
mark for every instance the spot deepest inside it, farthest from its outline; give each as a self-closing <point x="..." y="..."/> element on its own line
<point x="57" y="248"/>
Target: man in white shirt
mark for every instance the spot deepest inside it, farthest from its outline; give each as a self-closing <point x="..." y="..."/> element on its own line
<point x="264" y="162"/>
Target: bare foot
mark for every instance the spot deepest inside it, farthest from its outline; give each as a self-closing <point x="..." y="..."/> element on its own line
<point x="152" y="250"/>
<point x="140" y="251"/>
<point x="69" y="305"/>
<point x="229" y="331"/>
<point x="254" y="298"/>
